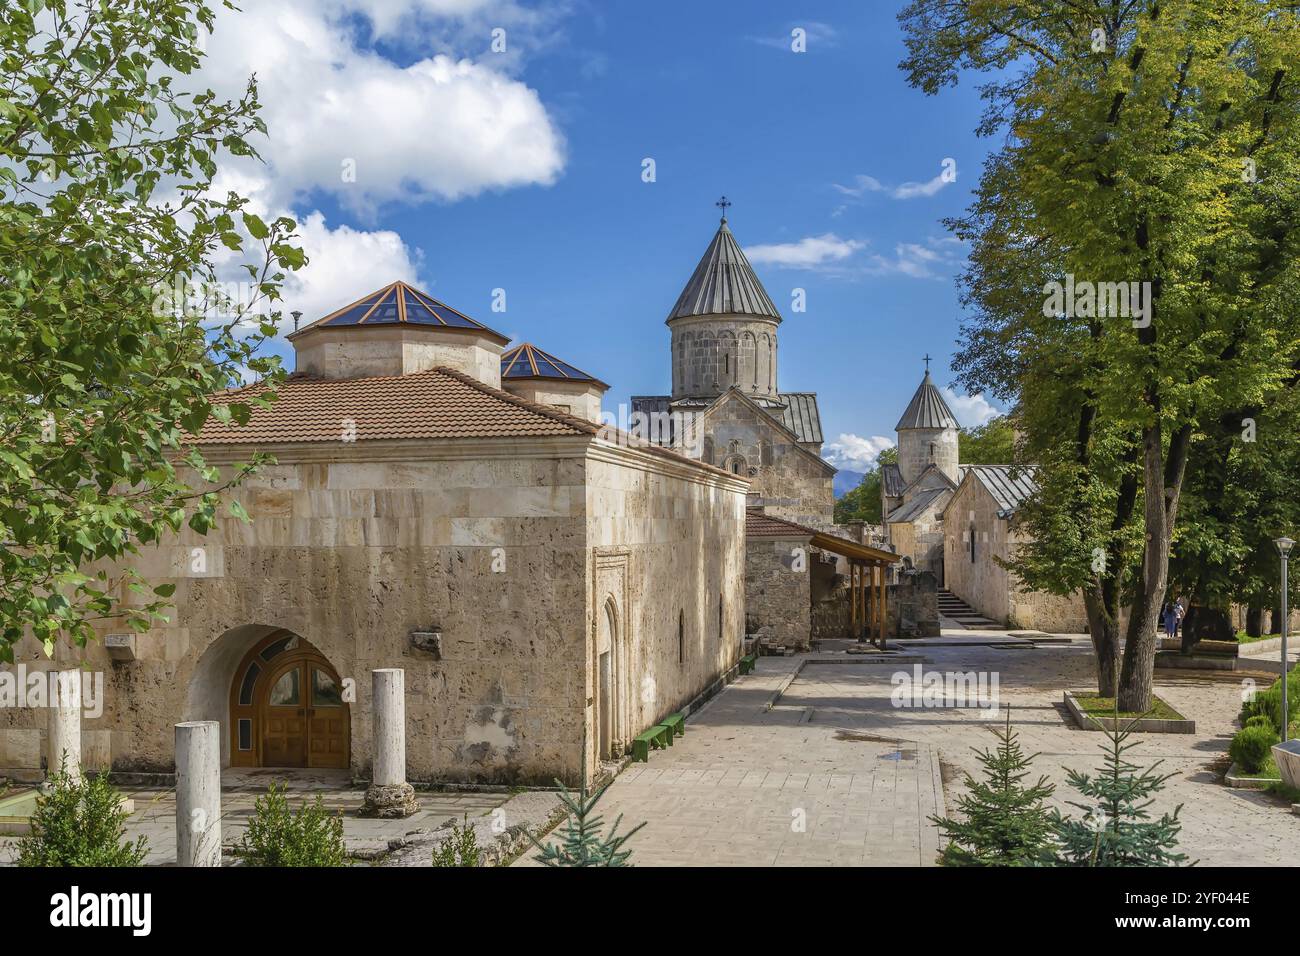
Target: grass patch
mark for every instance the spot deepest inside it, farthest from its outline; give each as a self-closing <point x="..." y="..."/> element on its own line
<point x="1095" y="706"/>
<point x="1244" y="638"/>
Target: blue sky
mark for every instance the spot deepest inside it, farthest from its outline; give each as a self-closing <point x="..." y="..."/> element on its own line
<point x="521" y="170"/>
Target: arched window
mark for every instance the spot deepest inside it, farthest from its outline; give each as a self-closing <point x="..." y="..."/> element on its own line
<point x="681" y="637"/>
<point x="737" y="465"/>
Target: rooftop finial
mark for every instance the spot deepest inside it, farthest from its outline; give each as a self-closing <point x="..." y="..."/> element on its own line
<point x="927" y="363"/>
<point x="722" y="204"/>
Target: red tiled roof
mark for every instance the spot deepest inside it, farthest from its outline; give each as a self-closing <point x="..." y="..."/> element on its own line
<point x="758" y="523"/>
<point x="438" y="403"/>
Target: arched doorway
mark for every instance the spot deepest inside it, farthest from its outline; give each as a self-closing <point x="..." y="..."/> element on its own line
<point x="607" y="696"/>
<point x="287" y="707"/>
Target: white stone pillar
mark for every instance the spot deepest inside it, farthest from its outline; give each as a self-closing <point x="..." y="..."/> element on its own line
<point x="64" y="728"/>
<point x="198" y="793"/>
<point x="389" y="795"/>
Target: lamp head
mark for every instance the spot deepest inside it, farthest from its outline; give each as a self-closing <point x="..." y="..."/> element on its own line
<point x="1284" y="545"/>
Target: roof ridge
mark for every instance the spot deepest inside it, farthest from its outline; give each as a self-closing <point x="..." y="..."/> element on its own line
<point x="545" y="411"/>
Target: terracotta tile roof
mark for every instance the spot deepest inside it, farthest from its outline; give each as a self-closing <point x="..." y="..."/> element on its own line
<point x="438" y="403"/>
<point x="760" y="524"/>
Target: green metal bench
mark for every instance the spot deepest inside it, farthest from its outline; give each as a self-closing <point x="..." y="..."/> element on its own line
<point x="657" y="737"/>
<point x="747" y="663"/>
<point x="675" y="723"/>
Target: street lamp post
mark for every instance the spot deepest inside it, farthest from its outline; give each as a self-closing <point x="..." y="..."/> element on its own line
<point x="1284" y="546"/>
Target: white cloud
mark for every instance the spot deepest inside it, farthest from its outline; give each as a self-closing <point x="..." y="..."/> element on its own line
<point x="855" y="452"/>
<point x="863" y="184"/>
<point x="936" y="258"/>
<point x="440" y="128"/>
<point x="969" y="410"/>
<point x="810" y="252"/>
<point x="345" y="264"/>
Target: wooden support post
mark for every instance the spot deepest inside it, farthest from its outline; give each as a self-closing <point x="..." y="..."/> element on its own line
<point x="884" y="609"/>
<point x="853" y="600"/>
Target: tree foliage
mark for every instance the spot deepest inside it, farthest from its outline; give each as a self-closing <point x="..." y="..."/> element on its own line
<point x="992" y="443"/>
<point x="582" y="842"/>
<point x="1155" y="142"/>
<point x="108" y="208"/>
<point x="1116" y="828"/>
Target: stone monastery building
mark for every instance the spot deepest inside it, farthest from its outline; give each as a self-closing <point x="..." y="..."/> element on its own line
<point x="445" y="505"/>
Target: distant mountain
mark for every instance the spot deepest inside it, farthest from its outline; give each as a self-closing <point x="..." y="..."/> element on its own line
<point x="845" y="481"/>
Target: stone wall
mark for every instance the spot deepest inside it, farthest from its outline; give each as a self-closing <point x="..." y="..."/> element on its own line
<point x="396" y="349"/>
<point x="712" y="353"/>
<point x="668" y="549"/>
<point x="786" y="479"/>
<point x="778" y="575"/>
<point x="913" y="605"/>
<point x="830" y="602"/>
<point x="985" y="584"/>
<point x="352" y="547"/>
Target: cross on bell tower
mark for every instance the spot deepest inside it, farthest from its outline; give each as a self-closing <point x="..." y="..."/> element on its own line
<point x="722" y="204"/>
<point x="927" y="363"/>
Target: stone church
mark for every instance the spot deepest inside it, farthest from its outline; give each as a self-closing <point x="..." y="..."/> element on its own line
<point x="438" y="506"/>
<point x="959" y="521"/>
<point x="725" y="388"/>
<point x="806" y="577"/>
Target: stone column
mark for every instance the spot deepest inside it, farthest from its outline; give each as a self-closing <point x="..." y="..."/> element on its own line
<point x="389" y="795"/>
<point x="64" y="729"/>
<point x="198" y="793"/>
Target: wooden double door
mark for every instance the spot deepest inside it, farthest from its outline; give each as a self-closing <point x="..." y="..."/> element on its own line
<point x="288" y="708"/>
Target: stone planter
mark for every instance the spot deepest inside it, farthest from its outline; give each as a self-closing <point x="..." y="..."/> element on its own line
<point x="1150" y="725"/>
<point x="1287" y="758"/>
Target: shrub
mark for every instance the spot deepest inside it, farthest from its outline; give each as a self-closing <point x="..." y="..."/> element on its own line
<point x="277" y="836"/>
<point x="79" y="823"/>
<point x="1260" y="720"/>
<point x="1268" y="703"/>
<point x="1116" y="828"/>
<point x="1006" y="820"/>
<point x="459" y="849"/>
<point x="1250" y="747"/>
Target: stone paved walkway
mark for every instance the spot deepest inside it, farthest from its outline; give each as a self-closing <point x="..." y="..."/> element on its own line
<point x="751" y="787"/>
<point x="728" y="792"/>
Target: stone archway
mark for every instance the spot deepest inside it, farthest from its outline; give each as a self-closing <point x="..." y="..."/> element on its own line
<point x="279" y="700"/>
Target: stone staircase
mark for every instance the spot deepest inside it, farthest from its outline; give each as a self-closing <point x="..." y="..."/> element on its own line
<point x="955" y="609"/>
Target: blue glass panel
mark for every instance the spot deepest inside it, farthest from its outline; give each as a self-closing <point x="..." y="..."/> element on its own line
<point x="546" y="368"/>
<point x="354" y="314"/>
<point x="416" y="312"/>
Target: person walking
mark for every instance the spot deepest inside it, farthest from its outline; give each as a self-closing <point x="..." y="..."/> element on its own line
<point x="1170" y="618"/>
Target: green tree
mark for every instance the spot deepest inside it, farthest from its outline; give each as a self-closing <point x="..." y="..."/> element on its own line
<point x="992" y="443"/>
<point x="582" y="843"/>
<point x="1006" y="822"/>
<point x="106" y="210"/>
<point x="1116" y="828"/>
<point x="863" y="502"/>
<point x="1152" y="142"/>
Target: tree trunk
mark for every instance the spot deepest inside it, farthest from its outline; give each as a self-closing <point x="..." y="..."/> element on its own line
<point x="1254" y="619"/>
<point x="1275" y="620"/>
<point x="1103" y="628"/>
<point x="1162" y="481"/>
